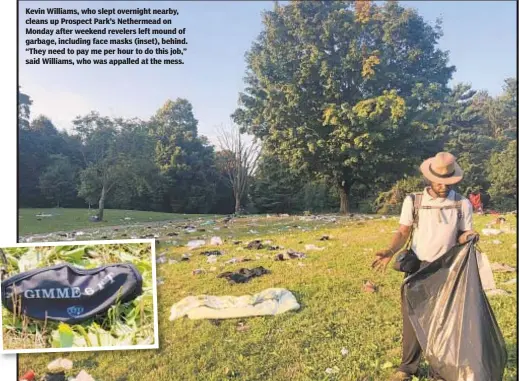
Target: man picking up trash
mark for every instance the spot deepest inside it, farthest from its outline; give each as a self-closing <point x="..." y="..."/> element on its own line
<point x="434" y="220"/>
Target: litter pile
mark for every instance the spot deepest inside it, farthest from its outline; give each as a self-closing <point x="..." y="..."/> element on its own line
<point x="243" y="275"/>
<point x="56" y="372"/>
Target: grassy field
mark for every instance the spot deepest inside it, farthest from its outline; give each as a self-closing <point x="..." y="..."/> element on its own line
<point x="126" y="324"/>
<point x="340" y="332"/>
<point x="32" y="221"/>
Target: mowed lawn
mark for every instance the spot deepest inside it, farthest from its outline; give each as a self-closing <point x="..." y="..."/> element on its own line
<point x="354" y="335"/>
<point x="33" y="220"/>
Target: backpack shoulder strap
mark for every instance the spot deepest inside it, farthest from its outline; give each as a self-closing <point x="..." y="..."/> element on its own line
<point x="459" y="200"/>
<point x="417" y="202"/>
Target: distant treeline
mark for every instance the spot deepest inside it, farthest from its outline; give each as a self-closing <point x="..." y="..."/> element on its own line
<point x="345" y="99"/>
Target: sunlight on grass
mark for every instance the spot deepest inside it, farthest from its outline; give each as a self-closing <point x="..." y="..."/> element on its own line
<point x="357" y="335"/>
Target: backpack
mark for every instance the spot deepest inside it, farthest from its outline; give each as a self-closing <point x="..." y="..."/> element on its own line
<point x="417" y="205"/>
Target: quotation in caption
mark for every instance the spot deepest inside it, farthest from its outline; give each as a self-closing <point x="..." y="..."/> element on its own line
<point x="55" y="37"/>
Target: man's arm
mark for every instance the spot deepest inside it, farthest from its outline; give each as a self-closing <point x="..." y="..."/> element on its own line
<point x="383" y="257"/>
<point x="399" y="239"/>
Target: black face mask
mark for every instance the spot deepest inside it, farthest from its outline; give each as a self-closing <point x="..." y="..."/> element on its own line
<point x="68" y="294"/>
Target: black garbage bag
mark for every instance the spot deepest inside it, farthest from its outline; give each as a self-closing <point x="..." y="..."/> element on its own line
<point x="453" y="319"/>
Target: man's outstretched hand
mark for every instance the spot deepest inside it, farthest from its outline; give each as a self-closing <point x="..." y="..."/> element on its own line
<point x="382" y="258"/>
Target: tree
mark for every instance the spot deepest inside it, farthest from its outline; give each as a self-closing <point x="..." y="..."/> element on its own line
<point x="503" y="176"/>
<point x="462" y="131"/>
<point x="185" y="160"/>
<point x="348" y="96"/>
<point x="24" y="109"/>
<point x="275" y="188"/>
<point x="112" y="156"/>
<point x="239" y="162"/>
<point x="58" y="180"/>
<point x="37" y="142"/>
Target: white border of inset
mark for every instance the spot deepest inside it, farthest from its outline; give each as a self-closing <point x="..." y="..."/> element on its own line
<point x="155" y="344"/>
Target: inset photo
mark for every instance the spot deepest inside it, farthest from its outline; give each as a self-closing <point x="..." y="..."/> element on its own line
<point x="81" y="296"/>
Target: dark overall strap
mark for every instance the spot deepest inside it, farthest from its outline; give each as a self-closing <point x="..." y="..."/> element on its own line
<point x="416" y="199"/>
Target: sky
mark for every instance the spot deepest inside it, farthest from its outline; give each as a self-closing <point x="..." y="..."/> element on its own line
<point x="481" y="37"/>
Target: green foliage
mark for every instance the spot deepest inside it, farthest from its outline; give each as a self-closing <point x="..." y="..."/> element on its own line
<point x="58" y="180"/>
<point x="390" y="202"/>
<point x="186" y="161"/>
<point x="502" y="171"/>
<point x="347" y="98"/>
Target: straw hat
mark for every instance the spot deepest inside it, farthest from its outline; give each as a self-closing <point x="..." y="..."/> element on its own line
<point x="442" y="169"/>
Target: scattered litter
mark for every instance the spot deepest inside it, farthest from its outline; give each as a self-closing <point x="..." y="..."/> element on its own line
<point x="497" y="292"/>
<point x="242" y="327"/>
<point x="59" y="365"/>
<point x="511" y="281"/>
<point x="127" y="218"/>
<point x="289" y="254"/>
<point x="333" y="370"/>
<point x="253" y="232"/>
<point x="161" y="259"/>
<point x="28" y="376"/>
<point x="256" y="244"/>
<point x="491" y="231"/>
<point x="344" y="352"/>
<point x="209" y="222"/>
<point x="244" y="275"/>
<point x="267" y="242"/>
<point x="369" y="287"/>
<point x="272" y="301"/>
<point x="216" y="241"/>
<point x="212" y="259"/>
<point x="501" y="268"/>
<point x="160" y="281"/>
<point x="238" y="260"/>
<point x="43" y="215"/>
<point x="195" y="244"/>
<point x="84" y="376"/>
<point x="190" y="230"/>
<point x="185" y="257"/>
<point x="211" y="252"/>
<point x="497" y="242"/>
<point x="313" y="247"/>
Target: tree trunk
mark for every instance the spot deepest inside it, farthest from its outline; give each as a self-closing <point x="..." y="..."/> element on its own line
<point x="101" y="205"/>
<point x="343" y="193"/>
<point x="237" y="206"/>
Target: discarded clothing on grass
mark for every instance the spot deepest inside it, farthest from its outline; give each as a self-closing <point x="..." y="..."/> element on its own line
<point x="256" y="244"/>
<point x="243" y="275"/>
<point x="289" y="254"/>
<point x="453" y="320"/>
<point x="211" y="252"/>
<point x="272" y="301"/>
<point x="238" y="260"/>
